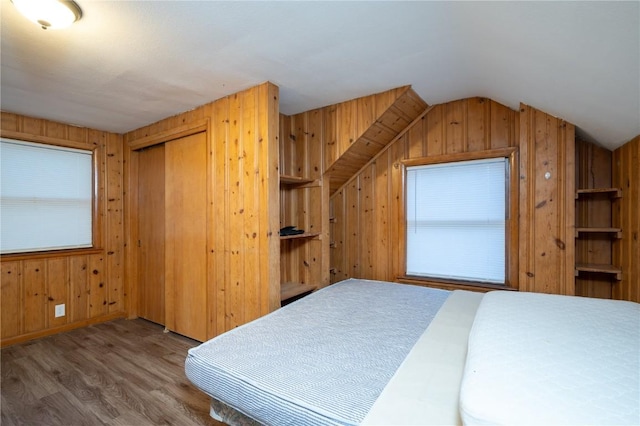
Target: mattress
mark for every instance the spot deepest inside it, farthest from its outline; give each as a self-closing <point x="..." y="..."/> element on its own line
<point x="550" y="359"/>
<point x="425" y="389"/>
<point x="322" y="360"/>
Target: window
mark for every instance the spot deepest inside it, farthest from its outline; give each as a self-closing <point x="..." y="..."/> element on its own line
<point x="45" y="197"/>
<point x="456" y="220"/>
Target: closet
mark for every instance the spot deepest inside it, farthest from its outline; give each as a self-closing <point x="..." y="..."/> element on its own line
<point x="214" y="236"/>
<point x="172" y="235"/>
<point x="150" y="245"/>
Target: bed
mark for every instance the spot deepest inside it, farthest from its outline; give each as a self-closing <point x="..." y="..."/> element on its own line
<point x="379" y="353"/>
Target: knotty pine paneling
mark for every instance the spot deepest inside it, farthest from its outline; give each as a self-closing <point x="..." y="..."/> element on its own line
<point x="79" y="288"/>
<point x="330" y="145"/>
<point x="98" y="303"/>
<point x="219" y="277"/>
<point x="235" y="216"/>
<point x="47" y="279"/>
<point x="353" y="230"/>
<point x="114" y="224"/>
<point x="11" y="285"/>
<point x="395" y="193"/>
<point x="626" y="251"/>
<point x="33" y="287"/>
<point x="35" y="295"/>
<point x="269" y="190"/>
<point x="371" y="122"/>
<point x="369" y="207"/>
<point x="329" y="136"/>
<point x="57" y="284"/>
<point x="547" y="203"/>
<point x="337" y="232"/>
<point x="367" y="201"/>
<point x="243" y="272"/>
<point x="356" y="116"/>
<point x="593" y="170"/>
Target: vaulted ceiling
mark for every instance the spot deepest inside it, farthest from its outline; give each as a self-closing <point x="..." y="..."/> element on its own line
<point x="126" y="64"/>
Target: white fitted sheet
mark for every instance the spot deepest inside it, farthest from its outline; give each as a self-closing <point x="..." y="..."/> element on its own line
<point x="549" y="359"/>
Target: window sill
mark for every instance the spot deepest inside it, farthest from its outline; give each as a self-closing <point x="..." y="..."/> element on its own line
<point x="49" y="254"/>
<point x="452" y="285"/>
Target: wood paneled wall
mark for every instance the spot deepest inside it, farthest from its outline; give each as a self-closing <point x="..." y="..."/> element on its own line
<point x="243" y="271"/>
<point x="329" y="145"/>
<point x="626" y="251"/>
<point x="89" y="282"/>
<point x="243" y="265"/>
<point x="547" y="203"/>
<point x="365" y="126"/>
<point x="368" y="209"/>
<point x="347" y="121"/>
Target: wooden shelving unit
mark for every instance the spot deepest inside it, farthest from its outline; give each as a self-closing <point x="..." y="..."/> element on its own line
<point x="295" y="181"/>
<point x="614" y="192"/>
<point x="586" y="232"/>
<point x="604" y="269"/>
<point x="293" y="245"/>
<point x="615" y="232"/>
<point x="300" y="236"/>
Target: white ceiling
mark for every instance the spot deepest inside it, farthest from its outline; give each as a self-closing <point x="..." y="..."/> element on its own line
<point x="127" y="64"/>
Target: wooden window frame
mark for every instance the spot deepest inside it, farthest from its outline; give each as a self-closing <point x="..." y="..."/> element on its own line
<point x="511" y="225"/>
<point x="96" y="202"/>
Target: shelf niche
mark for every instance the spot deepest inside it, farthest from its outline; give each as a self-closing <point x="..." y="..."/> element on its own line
<point x="595" y="275"/>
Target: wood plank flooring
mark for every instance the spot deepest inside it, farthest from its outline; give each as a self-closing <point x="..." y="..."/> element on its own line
<point x="124" y="372"/>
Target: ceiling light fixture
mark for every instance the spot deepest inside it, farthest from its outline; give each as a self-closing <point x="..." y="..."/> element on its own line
<point x="54" y="14"/>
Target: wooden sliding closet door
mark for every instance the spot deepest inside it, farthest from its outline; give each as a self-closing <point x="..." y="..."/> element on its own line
<point x="151" y="271"/>
<point x="186" y="236"/>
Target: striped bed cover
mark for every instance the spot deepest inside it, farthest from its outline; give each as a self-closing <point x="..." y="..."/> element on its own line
<point x="322" y="360"/>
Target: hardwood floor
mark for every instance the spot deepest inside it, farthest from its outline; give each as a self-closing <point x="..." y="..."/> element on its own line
<point x="124" y="372"/>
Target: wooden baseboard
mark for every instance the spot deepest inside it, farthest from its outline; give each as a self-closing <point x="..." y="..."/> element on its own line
<point x="55" y="330"/>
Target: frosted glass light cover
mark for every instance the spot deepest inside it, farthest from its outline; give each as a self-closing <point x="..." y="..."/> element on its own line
<point x="52" y="14"/>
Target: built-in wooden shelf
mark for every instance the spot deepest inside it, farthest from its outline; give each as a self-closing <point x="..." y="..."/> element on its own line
<point x="305" y="235"/>
<point x="605" y="269"/>
<point x="613" y="192"/>
<point x="295" y="180"/>
<point x="616" y="232"/>
<point x="586" y="195"/>
<point x="291" y="289"/>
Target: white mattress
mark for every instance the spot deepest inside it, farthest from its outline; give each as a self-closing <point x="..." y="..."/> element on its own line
<point x="549" y="359"/>
<point x="321" y="360"/>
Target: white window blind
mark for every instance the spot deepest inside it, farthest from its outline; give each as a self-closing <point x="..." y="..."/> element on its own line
<point x="45" y="197"/>
<point x="456" y="220"/>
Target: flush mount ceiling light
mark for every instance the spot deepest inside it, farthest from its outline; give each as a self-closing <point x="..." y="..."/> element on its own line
<point x="54" y="14"/>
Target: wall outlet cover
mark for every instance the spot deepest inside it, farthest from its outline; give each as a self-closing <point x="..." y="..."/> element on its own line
<point x="59" y="310"/>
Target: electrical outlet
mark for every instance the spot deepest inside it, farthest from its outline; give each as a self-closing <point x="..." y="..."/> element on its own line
<point x="60" y="310"/>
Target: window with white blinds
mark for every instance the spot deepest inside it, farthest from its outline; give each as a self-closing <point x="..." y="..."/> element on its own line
<point x="456" y="220"/>
<point x="45" y="197"/>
